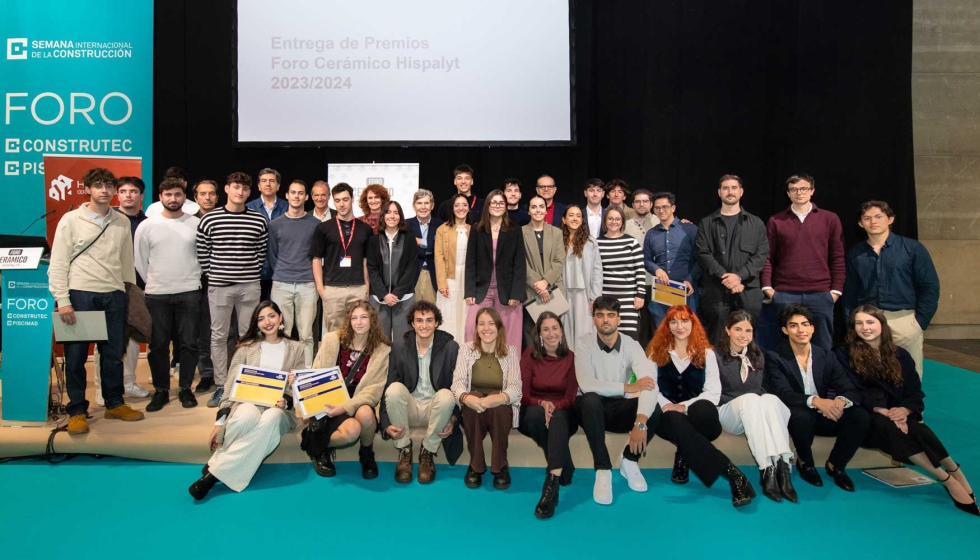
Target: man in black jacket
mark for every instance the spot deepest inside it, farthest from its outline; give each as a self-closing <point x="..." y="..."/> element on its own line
<point x="820" y="396"/>
<point x="420" y="374"/>
<point x="732" y="247"/>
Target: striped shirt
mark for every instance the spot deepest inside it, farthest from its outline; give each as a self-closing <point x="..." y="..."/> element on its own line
<point x="622" y="267"/>
<point x="231" y="246"/>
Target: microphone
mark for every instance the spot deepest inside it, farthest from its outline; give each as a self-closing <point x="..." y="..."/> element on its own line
<point x="41" y="217"/>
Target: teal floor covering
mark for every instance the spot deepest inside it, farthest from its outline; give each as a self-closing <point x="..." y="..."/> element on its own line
<point x="114" y="508"/>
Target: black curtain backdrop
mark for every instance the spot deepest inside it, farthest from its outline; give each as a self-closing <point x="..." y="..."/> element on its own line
<point x="670" y="95"/>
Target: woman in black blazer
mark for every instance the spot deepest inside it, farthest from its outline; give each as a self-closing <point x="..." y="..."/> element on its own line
<point x="892" y="394"/>
<point x="392" y="265"/>
<point x="496" y="270"/>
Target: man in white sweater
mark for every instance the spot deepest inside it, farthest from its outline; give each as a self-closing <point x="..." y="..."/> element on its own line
<point x="608" y="401"/>
<point x="91" y="258"/>
<point x="166" y="257"/>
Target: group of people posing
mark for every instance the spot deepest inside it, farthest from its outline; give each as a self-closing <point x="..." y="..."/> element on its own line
<point x="425" y="318"/>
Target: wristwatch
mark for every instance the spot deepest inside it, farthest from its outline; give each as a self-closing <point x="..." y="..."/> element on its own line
<point x="640" y="425"/>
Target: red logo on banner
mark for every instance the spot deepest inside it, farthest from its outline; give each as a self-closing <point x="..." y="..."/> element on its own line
<point x="63" y="182"/>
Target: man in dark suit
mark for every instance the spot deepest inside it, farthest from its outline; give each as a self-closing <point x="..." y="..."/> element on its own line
<point x="547" y="190"/>
<point x="820" y="396"/>
<point x="423" y="226"/>
<point x="417" y="394"/>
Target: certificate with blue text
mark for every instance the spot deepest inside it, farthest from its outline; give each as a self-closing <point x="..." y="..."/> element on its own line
<point x="263" y="387"/>
<point x="315" y="390"/>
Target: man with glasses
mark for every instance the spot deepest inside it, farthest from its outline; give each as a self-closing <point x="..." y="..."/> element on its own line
<point x="637" y="228"/>
<point x="805" y="265"/>
<point x="732" y="248"/>
<point x="594" y="193"/>
<point x="669" y="252"/>
<point x="546" y="189"/>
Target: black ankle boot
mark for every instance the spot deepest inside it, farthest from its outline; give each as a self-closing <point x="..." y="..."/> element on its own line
<point x="323" y="464"/>
<point x="369" y="467"/>
<point x="770" y="488"/>
<point x="742" y="492"/>
<point x="785" y="481"/>
<point x="203" y="485"/>
<point x="680" y="474"/>
<point x="549" y="498"/>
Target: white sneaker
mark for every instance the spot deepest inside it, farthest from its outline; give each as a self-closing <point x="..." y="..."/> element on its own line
<point x="99" y="401"/>
<point x="175" y="371"/>
<point x="132" y="390"/>
<point x="602" y="491"/>
<point x="631" y="472"/>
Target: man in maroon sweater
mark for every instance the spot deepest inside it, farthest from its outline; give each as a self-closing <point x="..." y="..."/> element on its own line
<point x="806" y="260"/>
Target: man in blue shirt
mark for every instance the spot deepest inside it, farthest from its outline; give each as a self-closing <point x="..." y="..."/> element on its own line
<point x="669" y="252"/>
<point x="896" y="275"/>
<point x="271" y="207"/>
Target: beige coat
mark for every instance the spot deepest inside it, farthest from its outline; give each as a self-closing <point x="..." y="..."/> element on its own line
<point x="552" y="270"/>
<point x="445" y="253"/>
<point x="292" y="359"/>
<point x="372" y="385"/>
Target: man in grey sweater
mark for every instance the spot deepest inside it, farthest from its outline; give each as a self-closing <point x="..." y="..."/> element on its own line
<point x="293" y="288"/>
<point x="604" y="363"/>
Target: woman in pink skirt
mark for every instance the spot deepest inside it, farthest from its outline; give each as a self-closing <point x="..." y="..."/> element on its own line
<point x="496" y="270"/>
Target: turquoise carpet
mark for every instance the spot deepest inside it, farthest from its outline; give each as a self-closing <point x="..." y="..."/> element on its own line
<point x="112" y="508"/>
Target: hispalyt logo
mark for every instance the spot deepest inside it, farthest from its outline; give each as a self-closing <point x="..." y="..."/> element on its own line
<point x="17" y="48"/>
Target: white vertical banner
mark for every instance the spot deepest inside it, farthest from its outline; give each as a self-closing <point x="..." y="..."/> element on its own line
<point x="401" y="180"/>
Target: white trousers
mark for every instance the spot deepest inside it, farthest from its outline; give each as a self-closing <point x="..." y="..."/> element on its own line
<point x="406" y="410"/>
<point x="763" y="419"/>
<point x="907" y="333"/>
<point x="251" y="435"/>
<point x="130" y="359"/>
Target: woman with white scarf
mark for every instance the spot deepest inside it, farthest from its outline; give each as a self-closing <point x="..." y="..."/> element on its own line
<point x="746" y="408"/>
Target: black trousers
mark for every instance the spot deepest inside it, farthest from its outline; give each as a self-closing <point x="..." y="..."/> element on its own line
<point x="806" y="422"/>
<point x="598" y="415"/>
<point x="693" y="433"/>
<point x="717" y="303"/>
<point x="553" y="439"/>
<point x="172" y="313"/>
<point x="885" y="436"/>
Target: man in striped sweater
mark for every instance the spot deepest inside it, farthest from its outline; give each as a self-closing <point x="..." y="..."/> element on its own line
<point x="231" y="247"/>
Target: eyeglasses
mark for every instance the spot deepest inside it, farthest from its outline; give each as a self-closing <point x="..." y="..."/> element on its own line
<point x="662" y="208"/>
<point x="801" y="190"/>
<point x="497" y="203"/>
<point x="546" y="187"/>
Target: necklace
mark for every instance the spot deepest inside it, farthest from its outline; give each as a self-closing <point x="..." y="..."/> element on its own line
<point x="495" y="229"/>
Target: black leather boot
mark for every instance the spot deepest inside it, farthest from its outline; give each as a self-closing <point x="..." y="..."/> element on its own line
<point x="742" y="492"/>
<point x="369" y="467"/>
<point x="785" y="481"/>
<point x="549" y="498"/>
<point x="203" y="485"/>
<point x="323" y="464"/>
<point x="770" y="488"/>
<point x="680" y="474"/>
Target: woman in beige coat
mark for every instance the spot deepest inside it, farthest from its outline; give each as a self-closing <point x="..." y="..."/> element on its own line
<point x="360" y="349"/>
<point x="245" y="434"/>
<point x="450" y="258"/>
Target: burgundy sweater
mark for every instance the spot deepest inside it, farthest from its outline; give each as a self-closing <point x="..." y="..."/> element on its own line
<point x="805" y="256"/>
<point x="548" y="379"/>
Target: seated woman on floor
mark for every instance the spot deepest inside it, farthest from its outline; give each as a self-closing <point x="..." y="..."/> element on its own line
<point x="687" y="377"/>
<point x="245" y="434"/>
<point x="746" y="408"/>
<point x="360" y="349"/>
<point x="892" y="394"/>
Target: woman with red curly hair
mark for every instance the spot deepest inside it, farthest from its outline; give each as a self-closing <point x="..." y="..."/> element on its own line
<point x="687" y="376"/>
<point x="372" y="198"/>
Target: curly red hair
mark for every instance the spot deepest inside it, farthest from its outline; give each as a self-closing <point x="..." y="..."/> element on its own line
<point x="378" y="190"/>
<point x="663" y="340"/>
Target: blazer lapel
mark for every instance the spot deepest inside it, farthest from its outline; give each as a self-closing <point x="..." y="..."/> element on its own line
<point x="791" y="365"/>
<point x="412" y="363"/>
<point x="531" y="250"/>
<point x="819" y="360"/>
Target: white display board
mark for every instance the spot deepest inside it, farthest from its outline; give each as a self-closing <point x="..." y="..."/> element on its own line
<point x="401" y="180"/>
<point x="393" y="71"/>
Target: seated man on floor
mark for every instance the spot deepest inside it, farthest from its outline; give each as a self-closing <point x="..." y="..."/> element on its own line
<point x="820" y="397"/>
<point x="420" y="374"/>
<point x="604" y="363"/>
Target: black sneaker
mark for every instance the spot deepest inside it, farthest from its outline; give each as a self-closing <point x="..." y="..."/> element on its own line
<point x="159" y="400"/>
<point x="204" y="385"/>
<point x="187" y="398"/>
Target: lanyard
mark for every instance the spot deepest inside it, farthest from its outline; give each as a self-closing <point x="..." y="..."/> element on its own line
<point x="340" y="232"/>
<point x="473" y="203"/>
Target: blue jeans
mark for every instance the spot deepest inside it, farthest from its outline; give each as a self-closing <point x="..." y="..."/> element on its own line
<point x="110" y="352"/>
<point x="171" y="314"/>
<point x="821" y="304"/>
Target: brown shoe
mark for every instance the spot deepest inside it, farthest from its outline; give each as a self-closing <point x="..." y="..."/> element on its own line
<point x="124" y="413"/>
<point x="403" y="471"/>
<point x="77" y="424"/>
<point x="427" y="466"/>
